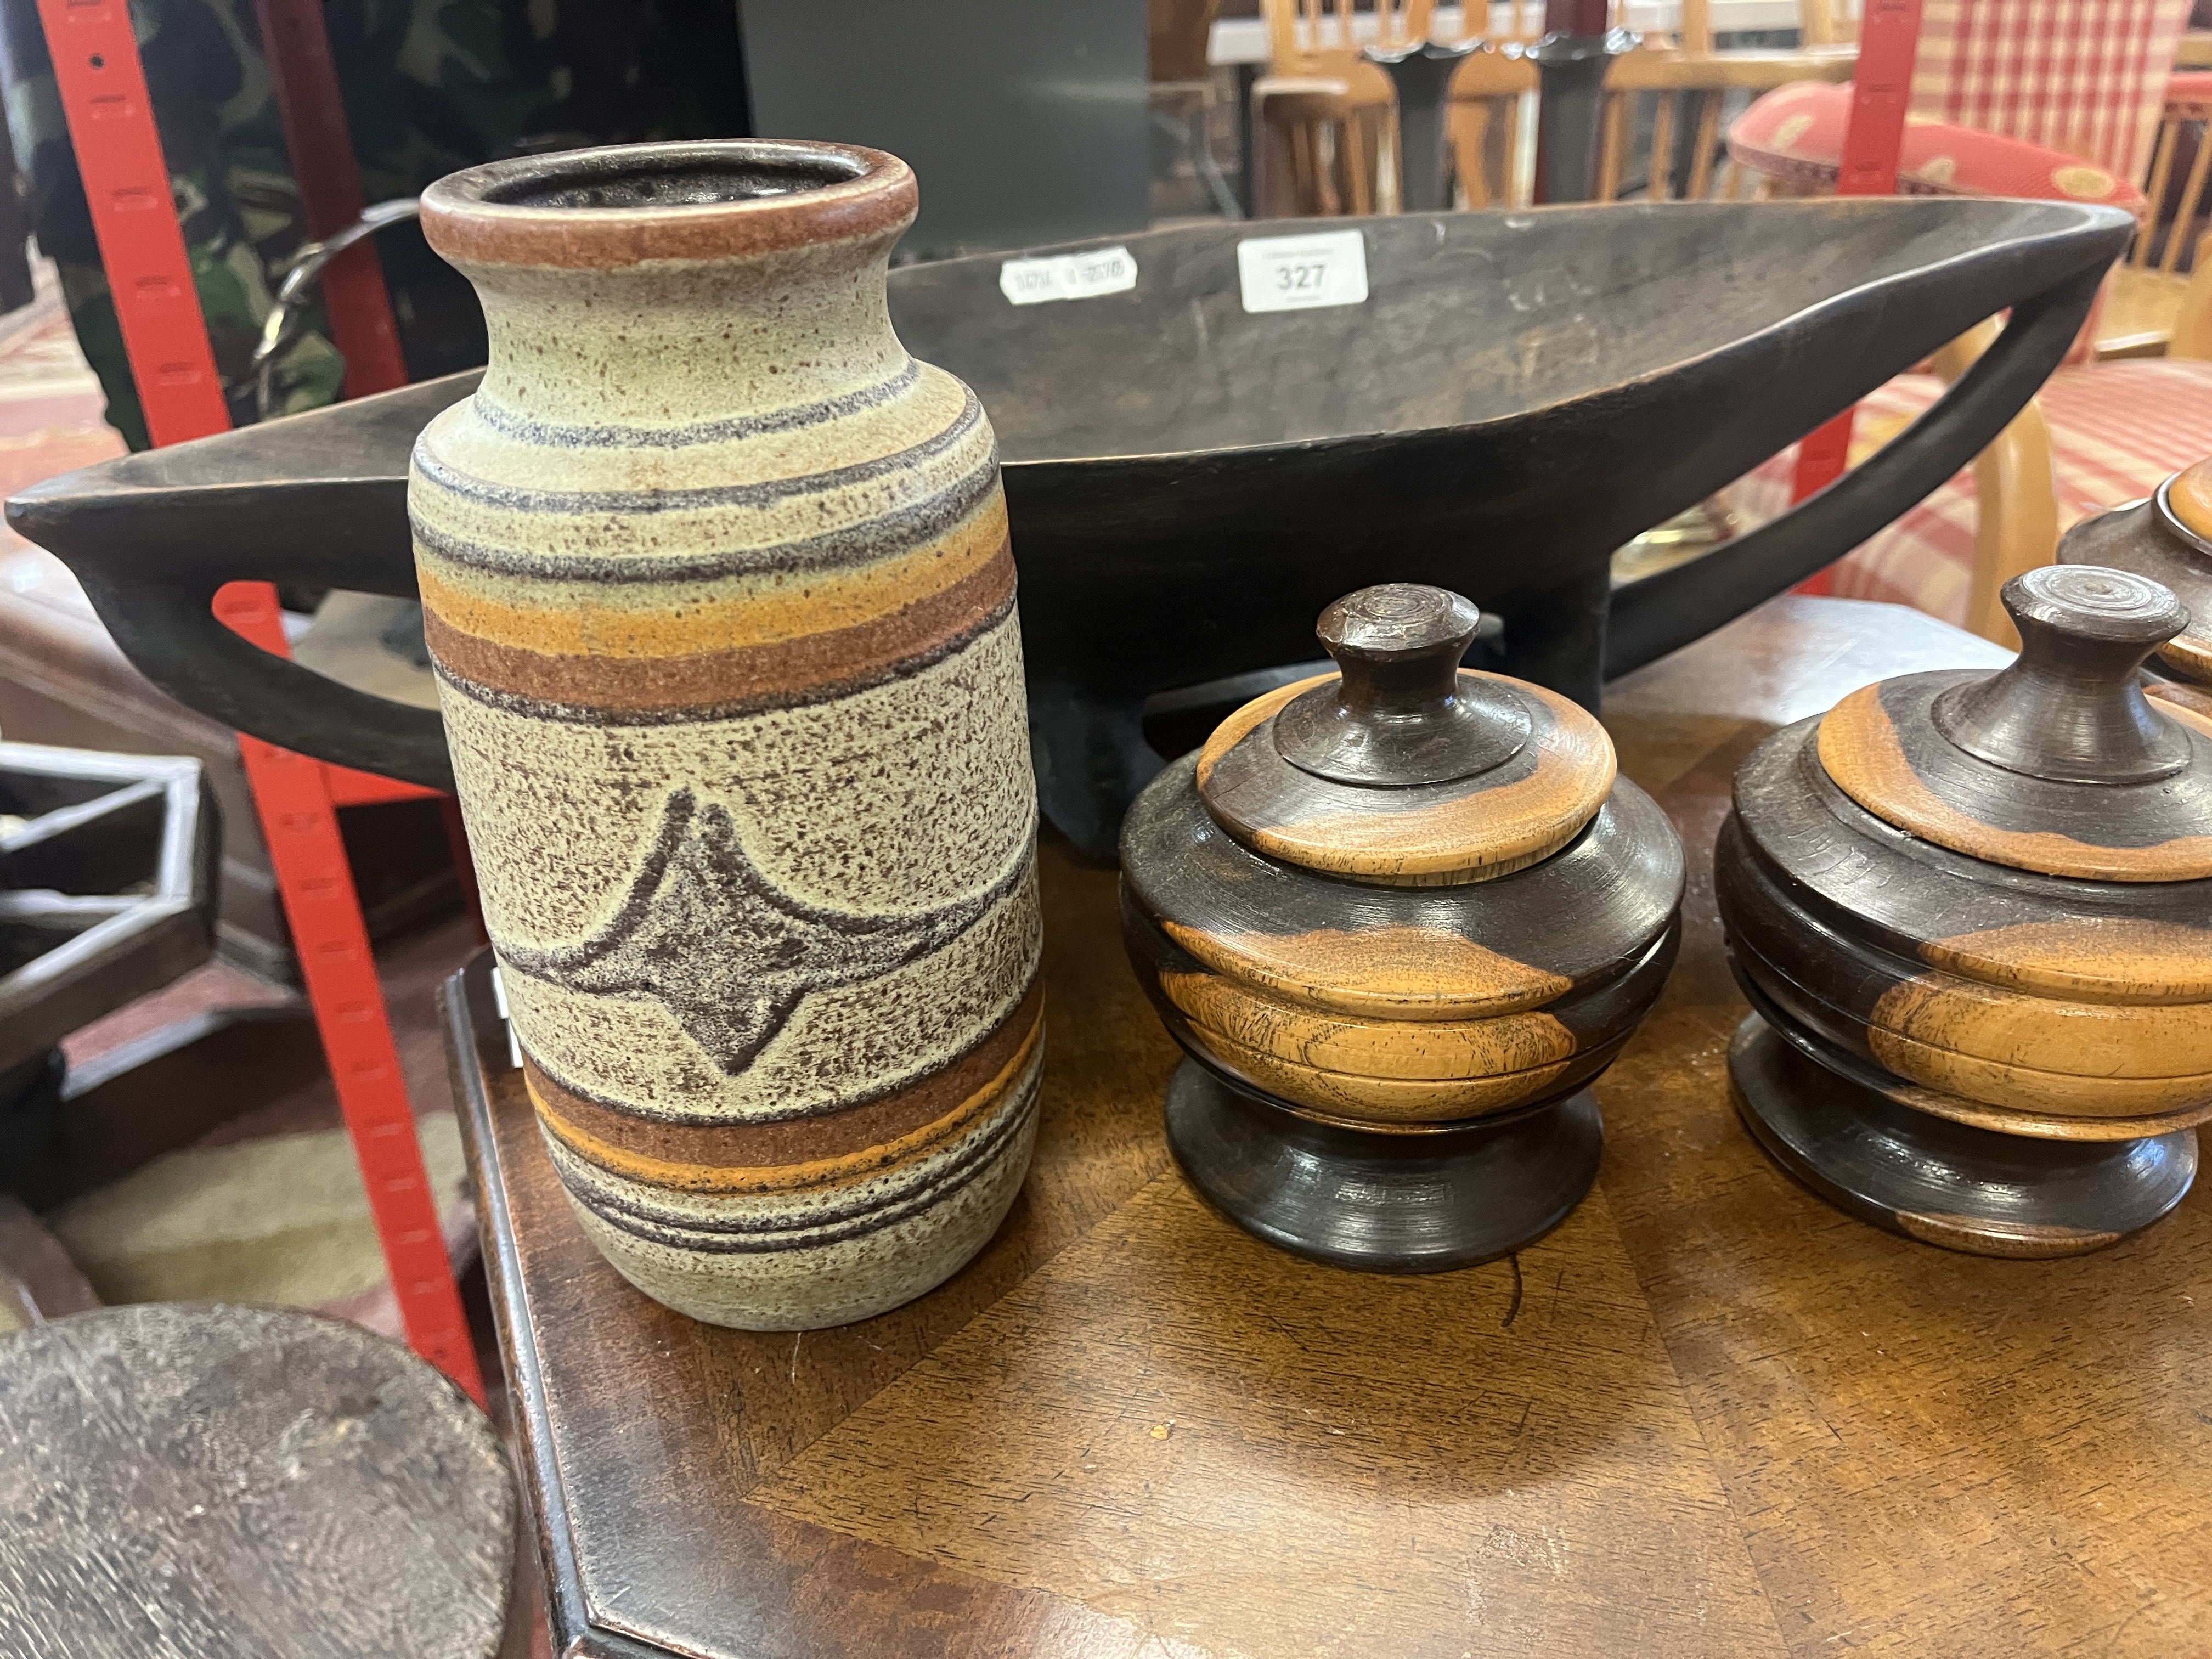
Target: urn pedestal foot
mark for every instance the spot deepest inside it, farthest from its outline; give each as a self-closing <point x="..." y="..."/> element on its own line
<point x="1946" y="1183"/>
<point x="1379" y="1201"/>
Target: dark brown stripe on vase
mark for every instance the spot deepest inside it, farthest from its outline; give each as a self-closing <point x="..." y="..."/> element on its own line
<point x="554" y="435"/>
<point x="886" y="536"/>
<point x="721" y="684"/>
<point x="868" y="1211"/>
<point x="768" y="492"/>
<point x="798" y="1139"/>
<point x="641" y="1174"/>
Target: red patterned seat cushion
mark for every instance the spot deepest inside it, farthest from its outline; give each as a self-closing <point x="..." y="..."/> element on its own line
<point x="2116" y="430"/>
<point x="1797" y="133"/>
<point x="2189" y="93"/>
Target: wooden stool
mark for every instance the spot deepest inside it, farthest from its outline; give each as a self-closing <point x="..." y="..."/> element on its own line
<point x="196" y="1482"/>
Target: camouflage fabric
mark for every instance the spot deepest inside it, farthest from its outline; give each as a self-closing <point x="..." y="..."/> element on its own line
<point x="429" y="86"/>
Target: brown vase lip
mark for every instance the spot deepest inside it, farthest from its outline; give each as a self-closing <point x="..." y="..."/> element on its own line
<point x="623" y="204"/>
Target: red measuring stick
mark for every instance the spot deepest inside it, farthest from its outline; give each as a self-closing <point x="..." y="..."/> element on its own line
<point x="126" y="184"/>
<point x="1881" y="88"/>
<point x="298" y="46"/>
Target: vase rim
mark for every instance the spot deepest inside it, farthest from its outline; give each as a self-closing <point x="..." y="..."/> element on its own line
<point x="626" y="204"/>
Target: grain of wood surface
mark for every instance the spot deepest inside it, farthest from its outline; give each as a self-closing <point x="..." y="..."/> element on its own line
<point x="1709" y="1415"/>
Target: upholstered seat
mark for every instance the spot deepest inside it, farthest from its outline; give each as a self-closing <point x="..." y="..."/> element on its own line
<point x="1795" y="135"/>
<point x="2116" y="430"/>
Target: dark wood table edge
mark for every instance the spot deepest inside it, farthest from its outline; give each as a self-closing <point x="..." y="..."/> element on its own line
<point x="573" y="1633"/>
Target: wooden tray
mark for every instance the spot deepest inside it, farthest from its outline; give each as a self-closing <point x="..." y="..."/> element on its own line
<point x="1708" y="1415"/>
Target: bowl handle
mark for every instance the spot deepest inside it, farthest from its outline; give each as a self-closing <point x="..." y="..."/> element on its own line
<point x="170" y="632"/>
<point x="1666" y="611"/>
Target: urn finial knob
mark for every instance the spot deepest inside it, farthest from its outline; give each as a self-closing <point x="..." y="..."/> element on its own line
<point x="1401" y="714"/>
<point x="2056" y="763"/>
<point x="2070" y="709"/>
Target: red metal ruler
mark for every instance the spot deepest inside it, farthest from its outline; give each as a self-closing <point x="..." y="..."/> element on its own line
<point x="298" y="46"/>
<point x="126" y="184"/>
<point x="1881" y="88"/>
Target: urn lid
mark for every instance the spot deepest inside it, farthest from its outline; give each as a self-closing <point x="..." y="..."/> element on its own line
<point x="2167" y="538"/>
<point x="2188" y="496"/>
<point x="1404" y="769"/>
<point x="2057" y="764"/>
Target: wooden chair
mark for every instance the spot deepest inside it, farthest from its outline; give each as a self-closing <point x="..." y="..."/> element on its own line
<point x="1180" y="85"/>
<point x="1325" y="119"/>
<point x="1688" y="70"/>
<point x="2140" y="310"/>
<point x="2043" y="73"/>
<point x="1487" y="96"/>
<point x="2102" y="97"/>
<point x="2099" y="434"/>
<point x="1670" y="67"/>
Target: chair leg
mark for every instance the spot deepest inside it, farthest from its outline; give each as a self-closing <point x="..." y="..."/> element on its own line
<point x="1470" y="135"/>
<point x="1386" y="170"/>
<point x="1610" y="159"/>
<point x="1514" y="192"/>
<point x="2192" y="195"/>
<point x="1709" y="133"/>
<point x="1274" y="163"/>
<point x="1285" y="183"/>
<point x="1661" y="187"/>
<point x="2161" y="170"/>
<point x="1358" y="154"/>
<point x="1209" y="170"/>
<point x="2017" y="521"/>
<point x="1328" y="152"/>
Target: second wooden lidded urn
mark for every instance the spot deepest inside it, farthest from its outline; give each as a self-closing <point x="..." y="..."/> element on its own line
<point x="1398" y="918"/>
<point x="1973" y="915"/>
<point x="2167" y="539"/>
<point x="716" y="581"/>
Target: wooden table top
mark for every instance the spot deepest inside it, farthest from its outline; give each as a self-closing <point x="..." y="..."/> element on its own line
<point x="1708" y="1415"/>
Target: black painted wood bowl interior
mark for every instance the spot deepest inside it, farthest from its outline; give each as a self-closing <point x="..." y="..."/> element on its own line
<point x="1188" y="481"/>
<point x="1985" y="902"/>
<point x="2167" y="538"/>
<point x="1399" y="919"/>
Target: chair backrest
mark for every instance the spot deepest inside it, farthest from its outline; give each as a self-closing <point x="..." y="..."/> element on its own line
<point x="2087" y="76"/>
<point x="1820" y="22"/>
<point x="1524" y="20"/>
<point x="1329" y="30"/>
<point x="2184" y="128"/>
<point x="1177" y="33"/>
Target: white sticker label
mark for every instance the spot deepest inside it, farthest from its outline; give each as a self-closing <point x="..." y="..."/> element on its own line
<point x="1068" y="277"/>
<point x="1298" y="273"/>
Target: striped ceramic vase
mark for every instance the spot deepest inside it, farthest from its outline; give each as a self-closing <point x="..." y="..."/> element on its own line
<point x="716" y="580"/>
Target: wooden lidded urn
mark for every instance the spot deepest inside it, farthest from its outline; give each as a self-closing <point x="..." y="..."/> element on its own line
<point x="2167" y="538"/>
<point x="1398" y="917"/>
<point x="1973" y="915"/>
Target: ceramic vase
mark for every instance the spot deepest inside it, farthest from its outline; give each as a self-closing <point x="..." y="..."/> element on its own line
<point x="716" y="581"/>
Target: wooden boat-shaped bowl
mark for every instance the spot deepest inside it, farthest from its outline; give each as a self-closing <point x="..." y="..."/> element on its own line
<point x="1189" y="483"/>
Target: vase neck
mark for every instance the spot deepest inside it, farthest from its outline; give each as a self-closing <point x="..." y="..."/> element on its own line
<point x="660" y="286"/>
<point x="657" y="346"/>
